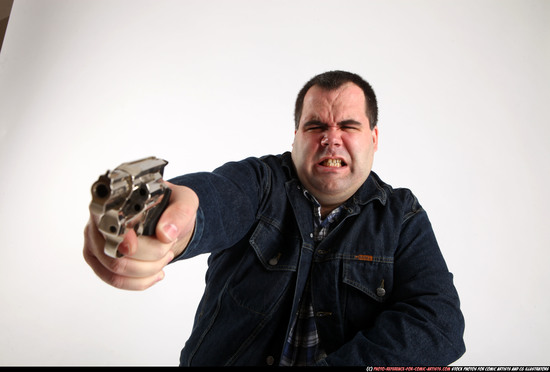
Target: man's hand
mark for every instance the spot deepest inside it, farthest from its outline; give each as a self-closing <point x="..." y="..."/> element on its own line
<point x="144" y="257"/>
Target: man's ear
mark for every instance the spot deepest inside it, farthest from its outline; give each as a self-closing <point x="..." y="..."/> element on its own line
<point x="375" y="138"/>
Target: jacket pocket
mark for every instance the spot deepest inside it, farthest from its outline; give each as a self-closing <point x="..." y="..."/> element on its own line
<point x="265" y="271"/>
<point x="371" y="275"/>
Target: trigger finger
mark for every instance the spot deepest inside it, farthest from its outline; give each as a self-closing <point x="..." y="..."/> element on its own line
<point x="128" y="246"/>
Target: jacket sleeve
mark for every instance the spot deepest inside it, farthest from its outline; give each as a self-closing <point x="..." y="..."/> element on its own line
<point x="422" y="323"/>
<point x="229" y="198"/>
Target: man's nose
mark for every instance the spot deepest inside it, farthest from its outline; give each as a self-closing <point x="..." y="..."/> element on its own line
<point x="331" y="138"/>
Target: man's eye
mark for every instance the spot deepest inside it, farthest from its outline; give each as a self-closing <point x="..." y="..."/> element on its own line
<point x="313" y="128"/>
<point x="350" y="127"/>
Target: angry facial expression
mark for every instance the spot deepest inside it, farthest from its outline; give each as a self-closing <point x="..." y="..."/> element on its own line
<point x="334" y="147"/>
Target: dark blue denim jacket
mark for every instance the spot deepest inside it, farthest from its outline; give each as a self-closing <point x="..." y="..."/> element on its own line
<point x="382" y="293"/>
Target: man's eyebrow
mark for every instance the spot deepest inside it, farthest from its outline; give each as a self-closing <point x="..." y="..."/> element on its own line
<point x="319" y="123"/>
<point x="349" y="122"/>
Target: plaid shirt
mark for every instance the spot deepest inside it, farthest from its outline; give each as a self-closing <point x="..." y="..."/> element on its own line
<point x="302" y="347"/>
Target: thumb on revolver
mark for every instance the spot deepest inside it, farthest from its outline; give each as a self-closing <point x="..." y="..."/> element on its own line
<point x="178" y="220"/>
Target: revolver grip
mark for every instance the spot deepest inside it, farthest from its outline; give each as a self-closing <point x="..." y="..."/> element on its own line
<point x="154" y="214"/>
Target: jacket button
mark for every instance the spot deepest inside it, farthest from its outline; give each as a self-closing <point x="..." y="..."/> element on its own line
<point x="380" y="291"/>
<point x="270" y="360"/>
<point x="274" y="260"/>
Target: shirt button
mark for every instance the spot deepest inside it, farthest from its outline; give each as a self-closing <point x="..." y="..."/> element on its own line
<point x="270" y="360"/>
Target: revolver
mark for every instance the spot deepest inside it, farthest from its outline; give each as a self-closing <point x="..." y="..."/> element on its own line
<point x="132" y="196"/>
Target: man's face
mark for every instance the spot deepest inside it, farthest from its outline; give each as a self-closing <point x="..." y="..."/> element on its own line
<point x="334" y="147"/>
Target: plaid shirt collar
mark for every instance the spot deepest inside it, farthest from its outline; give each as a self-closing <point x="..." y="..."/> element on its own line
<point x="323" y="226"/>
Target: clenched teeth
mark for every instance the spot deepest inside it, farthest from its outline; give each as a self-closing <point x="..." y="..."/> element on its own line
<point x="337" y="163"/>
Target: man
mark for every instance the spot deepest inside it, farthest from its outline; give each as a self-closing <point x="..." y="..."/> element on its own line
<point x="314" y="260"/>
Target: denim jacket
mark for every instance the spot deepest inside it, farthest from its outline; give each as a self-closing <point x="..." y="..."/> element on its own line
<point x="381" y="290"/>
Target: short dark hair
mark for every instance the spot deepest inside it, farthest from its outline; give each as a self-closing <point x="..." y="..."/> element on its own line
<point x="332" y="80"/>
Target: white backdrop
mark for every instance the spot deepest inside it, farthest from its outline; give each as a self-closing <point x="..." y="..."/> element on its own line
<point x="85" y="85"/>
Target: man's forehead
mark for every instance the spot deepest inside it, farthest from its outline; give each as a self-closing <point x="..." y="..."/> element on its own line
<point x="345" y="92"/>
<point x="347" y="97"/>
